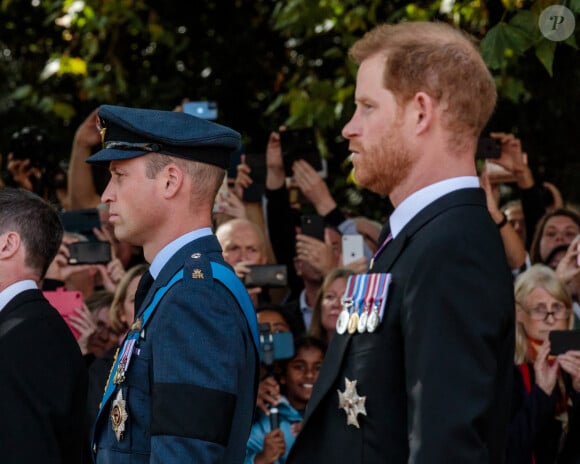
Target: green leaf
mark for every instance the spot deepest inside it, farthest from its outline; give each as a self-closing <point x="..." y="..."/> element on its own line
<point x="527" y="23"/>
<point x="574" y="5"/>
<point x="545" y="53"/>
<point x="503" y="41"/>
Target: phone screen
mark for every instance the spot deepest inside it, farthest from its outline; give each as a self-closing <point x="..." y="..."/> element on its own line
<point x="564" y="340"/>
<point x="300" y="144"/>
<point x="89" y="252"/>
<point x="82" y="221"/>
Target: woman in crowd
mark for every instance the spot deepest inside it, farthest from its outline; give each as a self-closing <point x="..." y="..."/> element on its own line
<point x="123" y="306"/>
<point x="546" y="404"/>
<point x="556" y="228"/>
<point x="327" y="305"/>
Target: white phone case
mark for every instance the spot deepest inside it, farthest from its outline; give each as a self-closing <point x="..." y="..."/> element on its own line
<point x="352" y="248"/>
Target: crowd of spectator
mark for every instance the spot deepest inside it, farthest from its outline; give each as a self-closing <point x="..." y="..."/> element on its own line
<point x="541" y="239"/>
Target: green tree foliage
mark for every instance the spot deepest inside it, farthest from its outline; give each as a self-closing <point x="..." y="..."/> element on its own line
<point x="273" y="62"/>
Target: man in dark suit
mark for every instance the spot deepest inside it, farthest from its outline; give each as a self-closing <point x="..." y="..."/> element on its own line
<point x="431" y="382"/>
<point x="183" y="386"/>
<point x="43" y="378"/>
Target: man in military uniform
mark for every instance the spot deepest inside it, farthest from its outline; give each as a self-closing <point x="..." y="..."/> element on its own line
<point x="183" y="385"/>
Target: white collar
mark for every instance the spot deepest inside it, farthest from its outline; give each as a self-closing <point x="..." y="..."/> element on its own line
<point x="418" y="200"/>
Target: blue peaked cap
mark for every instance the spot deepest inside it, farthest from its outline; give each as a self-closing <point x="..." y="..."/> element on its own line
<point x="131" y="132"/>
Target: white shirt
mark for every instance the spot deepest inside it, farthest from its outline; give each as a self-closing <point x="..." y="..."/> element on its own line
<point x="422" y="198"/>
<point x="16" y="288"/>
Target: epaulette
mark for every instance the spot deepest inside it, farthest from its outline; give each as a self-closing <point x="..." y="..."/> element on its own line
<point x="197" y="270"/>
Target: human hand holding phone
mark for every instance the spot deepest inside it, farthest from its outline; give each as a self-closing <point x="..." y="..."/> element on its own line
<point x="67" y="303"/>
<point x="300" y="144"/>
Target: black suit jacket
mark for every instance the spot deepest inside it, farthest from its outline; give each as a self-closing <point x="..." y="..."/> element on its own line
<point x="437" y="373"/>
<point x="43" y="384"/>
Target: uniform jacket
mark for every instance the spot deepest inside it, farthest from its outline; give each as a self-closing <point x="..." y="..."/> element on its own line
<point x="190" y="389"/>
<point x="43" y="384"/>
<point x="437" y="373"/>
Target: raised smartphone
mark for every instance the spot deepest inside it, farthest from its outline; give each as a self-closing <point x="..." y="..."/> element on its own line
<point x="352" y="248"/>
<point x="66" y="302"/>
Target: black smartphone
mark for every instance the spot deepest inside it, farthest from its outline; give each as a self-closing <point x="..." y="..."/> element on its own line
<point x="488" y="147"/>
<point x="313" y="226"/>
<point x="267" y="275"/>
<point x="564" y="340"/>
<point x="81" y="221"/>
<point x="89" y="252"/>
<point x="255" y="191"/>
<point x="300" y="144"/>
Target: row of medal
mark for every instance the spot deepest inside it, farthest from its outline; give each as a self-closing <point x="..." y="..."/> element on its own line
<point x="363" y="303"/>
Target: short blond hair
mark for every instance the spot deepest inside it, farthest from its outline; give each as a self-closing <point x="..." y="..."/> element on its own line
<point x="437" y="59"/>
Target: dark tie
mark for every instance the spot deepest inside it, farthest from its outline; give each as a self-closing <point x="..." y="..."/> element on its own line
<point x="144" y="284"/>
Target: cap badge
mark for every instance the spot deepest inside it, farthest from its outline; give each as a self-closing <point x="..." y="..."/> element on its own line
<point x="102" y="130"/>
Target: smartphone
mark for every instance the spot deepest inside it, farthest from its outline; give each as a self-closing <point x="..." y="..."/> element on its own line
<point x="275" y="346"/>
<point x="89" y="252"/>
<point x="66" y="302"/>
<point x="201" y="109"/>
<point x="267" y="275"/>
<point x="564" y="340"/>
<point x="300" y="144"/>
<point x="352" y="248"/>
<point x="235" y="159"/>
<point x="488" y="147"/>
<point x="255" y="191"/>
<point x="313" y="226"/>
<point x="81" y="221"/>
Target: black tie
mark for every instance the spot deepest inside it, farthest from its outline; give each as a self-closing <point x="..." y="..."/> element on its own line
<point x="144" y="284"/>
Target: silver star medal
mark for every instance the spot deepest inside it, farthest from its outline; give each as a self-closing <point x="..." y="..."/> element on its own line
<point x="119" y="415"/>
<point x="351" y="402"/>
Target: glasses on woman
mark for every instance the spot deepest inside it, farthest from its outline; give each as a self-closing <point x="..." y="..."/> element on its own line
<point x="542" y="312"/>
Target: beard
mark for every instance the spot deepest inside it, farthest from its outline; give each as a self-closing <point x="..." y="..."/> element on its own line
<point x="381" y="168"/>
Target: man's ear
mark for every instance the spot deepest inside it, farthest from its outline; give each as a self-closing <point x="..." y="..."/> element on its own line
<point x="173" y="177"/>
<point x="9" y="244"/>
<point x="424" y="108"/>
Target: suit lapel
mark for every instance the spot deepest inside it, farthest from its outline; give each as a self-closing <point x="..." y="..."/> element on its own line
<point x="328" y="372"/>
<point x="384" y="262"/>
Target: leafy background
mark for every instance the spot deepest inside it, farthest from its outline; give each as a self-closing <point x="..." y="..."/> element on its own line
<point x="268" y="63"/>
